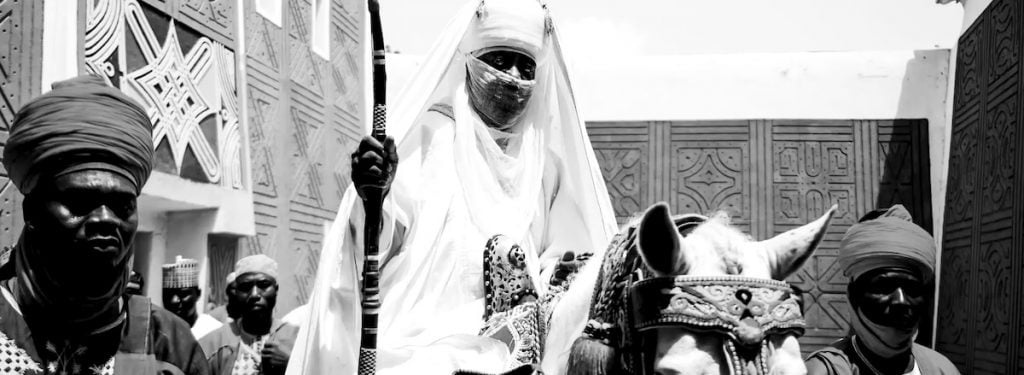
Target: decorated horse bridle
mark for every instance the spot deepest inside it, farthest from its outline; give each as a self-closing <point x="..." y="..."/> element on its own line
<point x="743" y="309"/>
<point x="630" y="301"/>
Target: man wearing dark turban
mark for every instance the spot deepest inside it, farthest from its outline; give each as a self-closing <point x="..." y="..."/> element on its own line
<point x="80" y="154"/>
<point x="890" y="262"/>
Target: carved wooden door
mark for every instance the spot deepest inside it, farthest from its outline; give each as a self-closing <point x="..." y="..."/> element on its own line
<point x="772" y="176"/>
<point x="223" y="253"/>
<point x="980" y="306"/>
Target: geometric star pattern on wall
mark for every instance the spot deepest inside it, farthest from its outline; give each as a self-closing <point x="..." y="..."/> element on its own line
<point x="184" y="79"/>
<point x="168" y="82"/>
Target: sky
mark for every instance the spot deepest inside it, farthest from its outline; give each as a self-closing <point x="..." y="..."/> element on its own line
<point x="595" y="28"/>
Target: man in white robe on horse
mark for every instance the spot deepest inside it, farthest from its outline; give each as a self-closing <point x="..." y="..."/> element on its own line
<point x="490" y="142"/>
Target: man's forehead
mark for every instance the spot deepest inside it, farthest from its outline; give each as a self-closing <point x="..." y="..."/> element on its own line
<point x="503" y="50"/>
<point x="254" y="276"/>
<point x="182" y="290"/>
<point x="883" y="273"/>
<point x="94" y="179"/>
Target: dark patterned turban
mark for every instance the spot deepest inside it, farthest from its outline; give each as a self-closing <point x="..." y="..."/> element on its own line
<point x="81" y="124"/>
<point x="889" y="240"/>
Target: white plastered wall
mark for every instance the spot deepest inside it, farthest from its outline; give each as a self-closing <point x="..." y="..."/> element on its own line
<point x="60" y="42"/>
<point x="972" y="10"/>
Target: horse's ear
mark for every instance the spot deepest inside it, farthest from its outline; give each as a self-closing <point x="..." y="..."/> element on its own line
<point x="788" y="251"/>
<point x="658" y="241"/>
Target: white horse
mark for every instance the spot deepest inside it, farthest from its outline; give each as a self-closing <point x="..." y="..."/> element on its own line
<point x="684" y="295"/>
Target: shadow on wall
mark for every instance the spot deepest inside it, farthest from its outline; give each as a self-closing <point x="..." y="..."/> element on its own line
<point x="923" y="94"/>
<point x="911" y="153"/>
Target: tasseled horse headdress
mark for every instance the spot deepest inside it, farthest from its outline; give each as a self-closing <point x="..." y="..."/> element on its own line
<point x="629" y="300"/>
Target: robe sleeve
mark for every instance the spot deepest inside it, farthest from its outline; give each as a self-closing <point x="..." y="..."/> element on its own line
<point x="565" y="229"/>
<point x="174" y="344"/>
<point x="397" y="213"/>
<point x="931" y="362"/>
<point x="828" y="361"/>
<point x="392" y="234"/>
<point x="328" y="341"/>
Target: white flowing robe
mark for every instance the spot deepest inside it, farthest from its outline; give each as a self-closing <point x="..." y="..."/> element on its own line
<point x="446" y="202"/>
<point x="442" y="292"/>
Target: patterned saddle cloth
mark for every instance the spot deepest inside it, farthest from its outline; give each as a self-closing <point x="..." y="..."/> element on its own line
<point x="514" y="313"/>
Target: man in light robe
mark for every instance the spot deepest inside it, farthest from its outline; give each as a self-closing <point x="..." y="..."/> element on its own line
<point x="255" y="342"/>
<point x="891" y="265"/>
<point x="181" y="292"/>
<point x="80" y="154"/>
<point x="490" y="142"/>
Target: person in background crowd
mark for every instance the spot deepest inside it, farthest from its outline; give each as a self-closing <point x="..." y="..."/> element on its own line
<point x="80" y="154"/>
<point x="136" y="284"/>
<point x="227" y="312"/>
<point x="891" y="265"/>
<point x="181" y="293"/>
<point x="255" y="342"/>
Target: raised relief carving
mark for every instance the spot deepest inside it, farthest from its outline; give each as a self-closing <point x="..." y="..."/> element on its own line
<point x="624" y="173"/>
<point x="185" y="80"/>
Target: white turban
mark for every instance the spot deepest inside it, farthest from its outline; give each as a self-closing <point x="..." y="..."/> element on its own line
<point x="508" y="23"/>
<point x="256" y="263"/>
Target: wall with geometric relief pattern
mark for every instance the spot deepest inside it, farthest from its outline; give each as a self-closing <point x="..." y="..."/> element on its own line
<point x="276" y="118"/>
<point x="773" y="176"/>
<point x="982" y="280"/>
<point x="178" y="60"/>
<point x="305" y="116"/>
<point x="243" y="106"/>
<point x="181" y="60"/>
<point x="20" y="69"/>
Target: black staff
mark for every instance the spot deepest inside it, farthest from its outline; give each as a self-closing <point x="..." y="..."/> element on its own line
<point x="373" y="199"/>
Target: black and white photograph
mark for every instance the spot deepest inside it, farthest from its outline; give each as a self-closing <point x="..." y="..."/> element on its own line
<point x="511" y="187"/>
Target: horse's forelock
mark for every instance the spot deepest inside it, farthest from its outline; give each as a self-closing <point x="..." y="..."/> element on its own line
<point x="724" y="239"/>
<point x="721" y="217"/>
<point x="721" y="221"/>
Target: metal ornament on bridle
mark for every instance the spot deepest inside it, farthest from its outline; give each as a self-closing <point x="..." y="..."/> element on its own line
<point x="745" y="310"/>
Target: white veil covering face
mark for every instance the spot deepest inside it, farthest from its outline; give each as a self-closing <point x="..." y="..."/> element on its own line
<point x="458" y="165"/>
